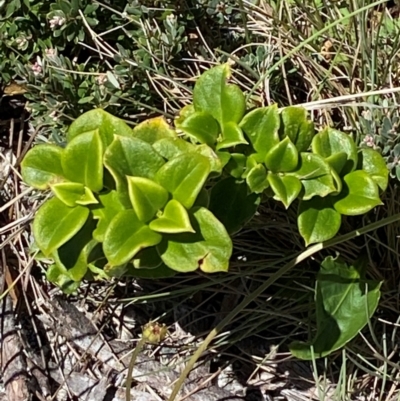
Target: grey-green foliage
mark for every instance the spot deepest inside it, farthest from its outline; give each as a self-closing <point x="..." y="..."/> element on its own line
<point x="78" y="54"/>
<point x="381" y="131"/>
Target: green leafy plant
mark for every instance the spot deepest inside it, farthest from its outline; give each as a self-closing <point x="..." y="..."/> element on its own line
<point x="279" y="154"/>
<point x="146" y="198"/>
<point x="119" y="205"/>
<point x="156" y="200"/>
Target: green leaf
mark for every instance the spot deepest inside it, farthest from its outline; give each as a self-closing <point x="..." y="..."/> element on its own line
<point x="170" y="148"/>
<point x="209" y="248"/>
<point x="315" y="175"/>
<point x="111" y="78"/>
<point x="257" y="179"/>
<point x="82" y="160"/>
<point x="173" y="220"/>
<point x="285" y="188"/>
<point x="57" y="275"/>
<point x="374" y="164"/>
<point x="147" y="197"/>
<point x="231" y="204"/>
<point x="232" y="135"/>
<point x="133" y="157"/>
<point x="345" y="302"/>
<point x="212" y="95"/>
<point x="261" y="127"/>
<point x="317" y="220"/>
<point x="202" y="126"/>
<point x="98" y="119"/>
<point x="72" y="194"/>
<point x="282" y="157"/>
<point x="104" y="212"/>
<point x="359" y="195"/>
<point x="126" y="235"/>
<point x="41" y="166"/>
<point x="184" y="177"/>
<point x="330" y="142"/>
<point x="215" y="162"/>
<point x="55" y="223"/>
<point x="236" y="165"/>
<point x="73" y="256"/>
<point x="154" y="129"/>
<point x="337" y="161"/>
<point x="296" y="127"/>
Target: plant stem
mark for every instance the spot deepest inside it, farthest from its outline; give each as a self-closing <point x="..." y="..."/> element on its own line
<point x="135" y="353"/>
<point x="284" y="269"/>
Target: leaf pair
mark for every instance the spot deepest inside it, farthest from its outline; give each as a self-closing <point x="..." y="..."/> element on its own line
<point x="218" y="107"/>
<point x="345" y="301"/>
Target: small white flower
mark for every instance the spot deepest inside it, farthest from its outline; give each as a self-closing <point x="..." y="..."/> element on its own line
<point x="171" y="17"/>
<point x="21" y="42"/>
<point x="369" y="141"/>
<point x="101" y="79"/>
<point x="50" y="52"/>
<point x="37" y="67"/>
<point x="56" y="21"/>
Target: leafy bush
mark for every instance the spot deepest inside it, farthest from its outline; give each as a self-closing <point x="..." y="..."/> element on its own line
<point x="148" y="202"/>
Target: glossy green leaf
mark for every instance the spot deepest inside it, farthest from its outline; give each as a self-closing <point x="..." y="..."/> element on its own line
<point x="285" y="188"/>
<point x="224" y="157"/>
<point x="252" y="161"/>
<point x="329" y="142"/>
<point x="58" y="275"/>
<point x="173" y="220"/>
<point x="153" y="129"/>
<point x="345" y="302"/>
<point x="41" y="166"/>
<point x="72" y="194"/>
<point x="213" y="95"/>
<point x="126" y="235"/>
<point x="133" y="157"/>
<point x="200" y="125"/>
<point x="282" y="157"/>
<point x="212" y="156"/>
<point x="337" y="161"/>
<point x="297" y="127"/>
<point x="236" y="165"/>
<point x="317" y="220"/>
<point x="169" y="148"/>
<point x="232" y="135"/>
<point x="231" y="204"/>
<point x="315" y="175"/>
<point x="209" y="248"/>
<point x="257" y="179"/>
<point x="82" y="160"/>
<point x="56" y="223"/>
<point x="73" y="256"/>
<point x="109" y="205"/>
<point x="374" y="164"/>
<point x="100" y="120"/>
<point x="359" y="195"/>
<point x="261" y="127"/>
<point x="147" y="197"/>
<point x="184" y="177"/>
